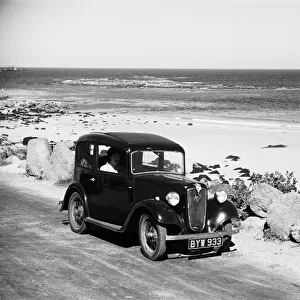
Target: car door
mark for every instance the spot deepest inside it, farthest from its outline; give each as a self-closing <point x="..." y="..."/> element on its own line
<point x="110" y="197"/>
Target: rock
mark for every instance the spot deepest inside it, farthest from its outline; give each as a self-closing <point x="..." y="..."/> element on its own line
<point x="218" y="187"/>
<point x="245" y="175"/>
<point x="214" y="172"/>
<point x="4" y="141"/>
<point x="199" y="168"/>
<point x="20" y="151"/>
<point x="276" y="146"/>
<point x="70" y="144"/>
<point x="255" y="226"/>
<point x="233" y="157"/>
<point x="202" y="177"/>
<point x="61" y="164"/>
<point x="16" y="149"/>
<point x="3" y="154"/>
<point x="30" y="110"/>
<point x="13" y="159"/>
<point x="38" y="156"/>
<point x="217" y="166"/>
<point x="244" y="171"/>
<point x="27" y="139"/>
<point x="295" y="232"/>
<point x="283" y="215"/>
<point x="261" y="198"/>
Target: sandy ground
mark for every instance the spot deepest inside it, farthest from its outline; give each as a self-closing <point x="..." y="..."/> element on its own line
<point x="205" y="141"/>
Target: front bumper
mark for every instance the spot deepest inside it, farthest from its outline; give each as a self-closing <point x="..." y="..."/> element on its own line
<point x="200" y="235"/>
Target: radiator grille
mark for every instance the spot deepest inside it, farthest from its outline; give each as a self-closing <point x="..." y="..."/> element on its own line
<point x="196" y="209"/>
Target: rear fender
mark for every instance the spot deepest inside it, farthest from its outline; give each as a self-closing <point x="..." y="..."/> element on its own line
<point x="74" y="187"/>
<point x="218" y="213"/>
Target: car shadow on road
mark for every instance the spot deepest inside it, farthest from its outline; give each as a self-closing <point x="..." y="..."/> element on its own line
<point x="125" y="240"/>
<point x="128" y="240"/>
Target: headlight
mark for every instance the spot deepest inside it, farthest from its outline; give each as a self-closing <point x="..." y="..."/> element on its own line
<point x="173" y="198"/>
<point x="221" y="196"/>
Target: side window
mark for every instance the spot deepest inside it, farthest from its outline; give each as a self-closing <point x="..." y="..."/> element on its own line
<point x="111" y="159"/>
<point x="102" y="155"/>
<point x="85" y="155"/>
<point x="137" y="158"/>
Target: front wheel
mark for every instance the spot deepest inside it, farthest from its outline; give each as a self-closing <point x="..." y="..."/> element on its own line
<point x="227" y="242"/>
<point x="76" y="214"/>
<point x="152" y="238"/>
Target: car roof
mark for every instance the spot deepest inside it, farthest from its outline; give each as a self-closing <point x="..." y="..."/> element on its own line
<point x="132" y="140"/>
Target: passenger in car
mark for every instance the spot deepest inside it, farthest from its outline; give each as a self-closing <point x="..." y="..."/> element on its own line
<point x="113" y="157"/>
<point x="86" y="157"/>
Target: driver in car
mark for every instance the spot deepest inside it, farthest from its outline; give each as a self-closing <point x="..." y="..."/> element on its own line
<point x="112" y="164"/>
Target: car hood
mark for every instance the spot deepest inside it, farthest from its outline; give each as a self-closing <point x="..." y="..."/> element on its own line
<point x="165" y="179"/>
<point x="159" y="184"/>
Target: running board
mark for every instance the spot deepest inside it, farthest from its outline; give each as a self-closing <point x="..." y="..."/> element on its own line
<point x="103" y="224"/>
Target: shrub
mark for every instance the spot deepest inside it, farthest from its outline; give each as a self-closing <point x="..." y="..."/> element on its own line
<point x="283" y="183"/>
<point x="239" y="194"/>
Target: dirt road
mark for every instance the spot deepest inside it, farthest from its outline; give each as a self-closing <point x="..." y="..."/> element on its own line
<point x="40" y="258"/>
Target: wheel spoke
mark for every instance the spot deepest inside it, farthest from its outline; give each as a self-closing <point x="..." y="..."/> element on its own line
<point x="78" y="213"/>
<point x="150" y="235"/>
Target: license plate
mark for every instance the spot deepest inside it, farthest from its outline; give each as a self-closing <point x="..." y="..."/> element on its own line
<point x="194" y="244"/>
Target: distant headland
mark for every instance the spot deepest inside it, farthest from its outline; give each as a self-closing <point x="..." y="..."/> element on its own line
<point x="12" y="69"/>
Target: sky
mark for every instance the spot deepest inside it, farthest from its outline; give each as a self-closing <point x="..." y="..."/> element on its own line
<point x="189" y="34"/>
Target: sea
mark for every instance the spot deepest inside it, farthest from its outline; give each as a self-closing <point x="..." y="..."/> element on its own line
<point x="265" y="95"/>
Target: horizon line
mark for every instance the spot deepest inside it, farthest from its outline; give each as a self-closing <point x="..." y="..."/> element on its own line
<point x="144" y="68"/>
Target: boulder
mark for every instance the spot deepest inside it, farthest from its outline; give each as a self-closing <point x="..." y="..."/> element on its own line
<point x="218" y="187"/>
<point x="261" y="198"/>
<point x="38" y="156"/>
<point x="27" y="139"/>
<point x="17" y="150"/>
<point x="70" y="144"/>
<point x="61" y="164"/>
<point x="295" y="232"/>
<point x="283" y="215"/>
<point x="3" y="154"/>
<point x="255" y="226"/>
<point x="13" y="159"/>
<point x="20" y="151"/>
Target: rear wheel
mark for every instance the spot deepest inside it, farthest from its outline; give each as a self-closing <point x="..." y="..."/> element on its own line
<point x="76" y="214"/>
<point x="152" y="238"/>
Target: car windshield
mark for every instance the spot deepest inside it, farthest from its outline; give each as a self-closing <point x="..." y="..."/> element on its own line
<point x="149" y="160"/>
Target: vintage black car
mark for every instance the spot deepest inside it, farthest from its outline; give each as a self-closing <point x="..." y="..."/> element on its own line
<point x="148" y="194"/>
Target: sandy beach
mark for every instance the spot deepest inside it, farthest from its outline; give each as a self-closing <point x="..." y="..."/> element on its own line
<point x="207" y="141"/>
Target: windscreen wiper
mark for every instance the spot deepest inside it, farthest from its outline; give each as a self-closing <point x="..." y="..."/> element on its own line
<point x="155" y="152"/>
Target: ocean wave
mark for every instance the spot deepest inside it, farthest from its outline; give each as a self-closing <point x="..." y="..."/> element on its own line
<point x="134" y="82"/>
<point x="153" y="82"/>
<point x="246" y="87"/>
<point x="287" y="89"/>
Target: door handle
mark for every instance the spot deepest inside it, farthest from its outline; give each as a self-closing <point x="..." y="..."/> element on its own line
<point x="92" y="179"/>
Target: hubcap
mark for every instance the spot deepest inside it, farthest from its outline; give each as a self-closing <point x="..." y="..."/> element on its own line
<point x="78" y="213"/>
<point x="150" y="235"/>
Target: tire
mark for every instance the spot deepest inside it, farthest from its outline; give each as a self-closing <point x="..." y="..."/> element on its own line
<point x="76" y="214"/>
<point x="227" y="243"/>
<point x="152" y="238"/>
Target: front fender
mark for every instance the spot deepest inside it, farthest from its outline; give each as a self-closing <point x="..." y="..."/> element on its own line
<point x="73" y="187"/>
<point x="218" y="213"/>
<point x="160" y="211"/>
